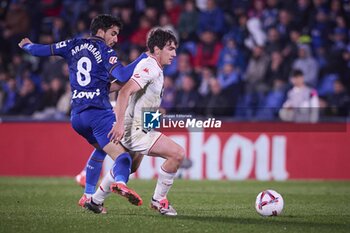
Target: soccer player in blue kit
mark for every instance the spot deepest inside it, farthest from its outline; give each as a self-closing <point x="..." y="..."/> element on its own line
<point x="92" y="62"/>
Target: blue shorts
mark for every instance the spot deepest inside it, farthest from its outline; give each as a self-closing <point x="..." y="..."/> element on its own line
<point x="94" y="125"/>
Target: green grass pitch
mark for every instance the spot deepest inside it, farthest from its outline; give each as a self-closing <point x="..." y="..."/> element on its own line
<point x="50" y="205"/>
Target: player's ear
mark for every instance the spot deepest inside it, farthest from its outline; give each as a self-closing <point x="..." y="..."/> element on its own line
<point x="100" y="33"/>
<point x="156" y="50"/>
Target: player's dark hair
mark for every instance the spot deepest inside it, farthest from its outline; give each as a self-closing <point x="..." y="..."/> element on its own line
<point x="104" y="22"/>
<point x="160" y="37"/>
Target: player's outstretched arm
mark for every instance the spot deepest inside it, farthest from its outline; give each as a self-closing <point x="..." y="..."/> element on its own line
<point x="39" y="50"/>
<point x="122" y="103"/>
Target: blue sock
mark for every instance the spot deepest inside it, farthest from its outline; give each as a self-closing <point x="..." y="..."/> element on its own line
<point x="93" y="170"/>
<point x="122" y="167"/>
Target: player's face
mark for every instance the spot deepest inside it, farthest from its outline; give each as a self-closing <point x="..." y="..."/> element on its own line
<point x="167" y="54"/>
<point x="111" y="36"/>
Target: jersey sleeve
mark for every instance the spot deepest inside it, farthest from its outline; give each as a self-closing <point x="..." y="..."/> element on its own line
<point x="39" y="50"/>
<point x="117" y="70"/>
<point x="143" y="74"/>
<point x="60" y="48"/>
<point x="42" y="50"/>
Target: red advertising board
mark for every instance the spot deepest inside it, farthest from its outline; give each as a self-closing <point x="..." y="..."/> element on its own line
<point x="263" y="151"/>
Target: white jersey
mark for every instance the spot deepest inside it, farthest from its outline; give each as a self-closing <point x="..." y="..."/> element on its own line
<point x="148" y="74"/>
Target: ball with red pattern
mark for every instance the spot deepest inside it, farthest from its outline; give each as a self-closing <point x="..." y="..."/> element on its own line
<point x="269" y="203"/>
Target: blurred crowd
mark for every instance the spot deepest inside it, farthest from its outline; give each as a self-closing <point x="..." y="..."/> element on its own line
<point x="235" y="58"/>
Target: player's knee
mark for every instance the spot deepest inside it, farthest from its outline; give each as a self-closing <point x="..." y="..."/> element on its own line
<point x="179" y="155"/>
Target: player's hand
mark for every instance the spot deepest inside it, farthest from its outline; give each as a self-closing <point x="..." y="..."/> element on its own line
<point x="24" y="41"/>
<point x="116" y="132"/>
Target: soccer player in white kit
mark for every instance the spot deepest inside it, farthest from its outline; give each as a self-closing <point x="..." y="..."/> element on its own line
<point x="144" y="90"/>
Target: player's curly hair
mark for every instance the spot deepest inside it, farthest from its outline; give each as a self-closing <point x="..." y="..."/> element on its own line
<point x="104" y="22"/>
<point x="160" y="37"/>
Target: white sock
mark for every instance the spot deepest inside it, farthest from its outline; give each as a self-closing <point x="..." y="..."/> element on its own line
<point x="88" y="195"/>
<point x="103" y="190"/>
<point x="164" y="183"/>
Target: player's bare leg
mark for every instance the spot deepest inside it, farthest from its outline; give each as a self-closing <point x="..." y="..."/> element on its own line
<point x="174" y="155"/>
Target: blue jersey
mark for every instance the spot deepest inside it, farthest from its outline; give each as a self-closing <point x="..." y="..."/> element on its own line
<point x="91" y="64"/>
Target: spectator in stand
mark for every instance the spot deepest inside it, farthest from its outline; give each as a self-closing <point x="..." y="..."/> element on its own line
<point x="307" y="64"/>
<point x="52" y="94"/>
<point x="274" y="42"/>
<point x="59" y="29"/>
<point x="239" y="32"/>
<point x="231" y="54"/>
<point x="230" y="83"/>
<point x="277" y="69"/>
<point x="28" y="100"/>
<point x="72" y="10"/>
<point x="317" y="6"/>
<point x="285" y="24"/>
<point x="335" y="10"/>
<point x="129" y="20"/>
<point x="52" y="67"/>
<point x="257" y="9"/>
<point x="8" y="87"/>
<point x="302" y="104"/>
<point x="49" y="100"/>
<point x="207" y="51"/>
<point x="205" y="75"/>
<point x="216" y="104"/>
<point x="184" y="67"/>
<point x="165" y="23"/>
<point x="187" y="98"/>
<point x="228" y="78"/>
<point x="290" y="51"/>
<point x="139" y="36"/>
<point x="302" y="16"/>
<point x="17" y="67"/>
<point x="173" y="10"/>
<point x="256" y="71"/>
<point x="53" y="8"/>
<point x="188" y="22"/>
<point x="273" y="101"/>
<point x="320" y="29"/>
<point x="239" y="7"/>
<point x="269" y="16"/>
<point x="335" y="63"/>
<point x="16" y="25"/>
<point x="346" y="10"/>
<point x="152" y="12"/>
<point x="81" y="28"/>
<point x="338" y="103"/>
<point x="211" y="19"/>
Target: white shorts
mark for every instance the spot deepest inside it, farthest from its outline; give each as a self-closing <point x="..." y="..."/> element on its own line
<point x="139" y="140"/>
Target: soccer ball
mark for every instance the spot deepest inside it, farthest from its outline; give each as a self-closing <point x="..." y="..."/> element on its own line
<point x="269" y="203"/>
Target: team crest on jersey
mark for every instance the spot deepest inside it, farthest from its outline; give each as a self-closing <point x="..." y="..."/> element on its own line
<point x="61" y="44"/>
<point x="146" y="70"/>
<point x="113" y="60"/>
